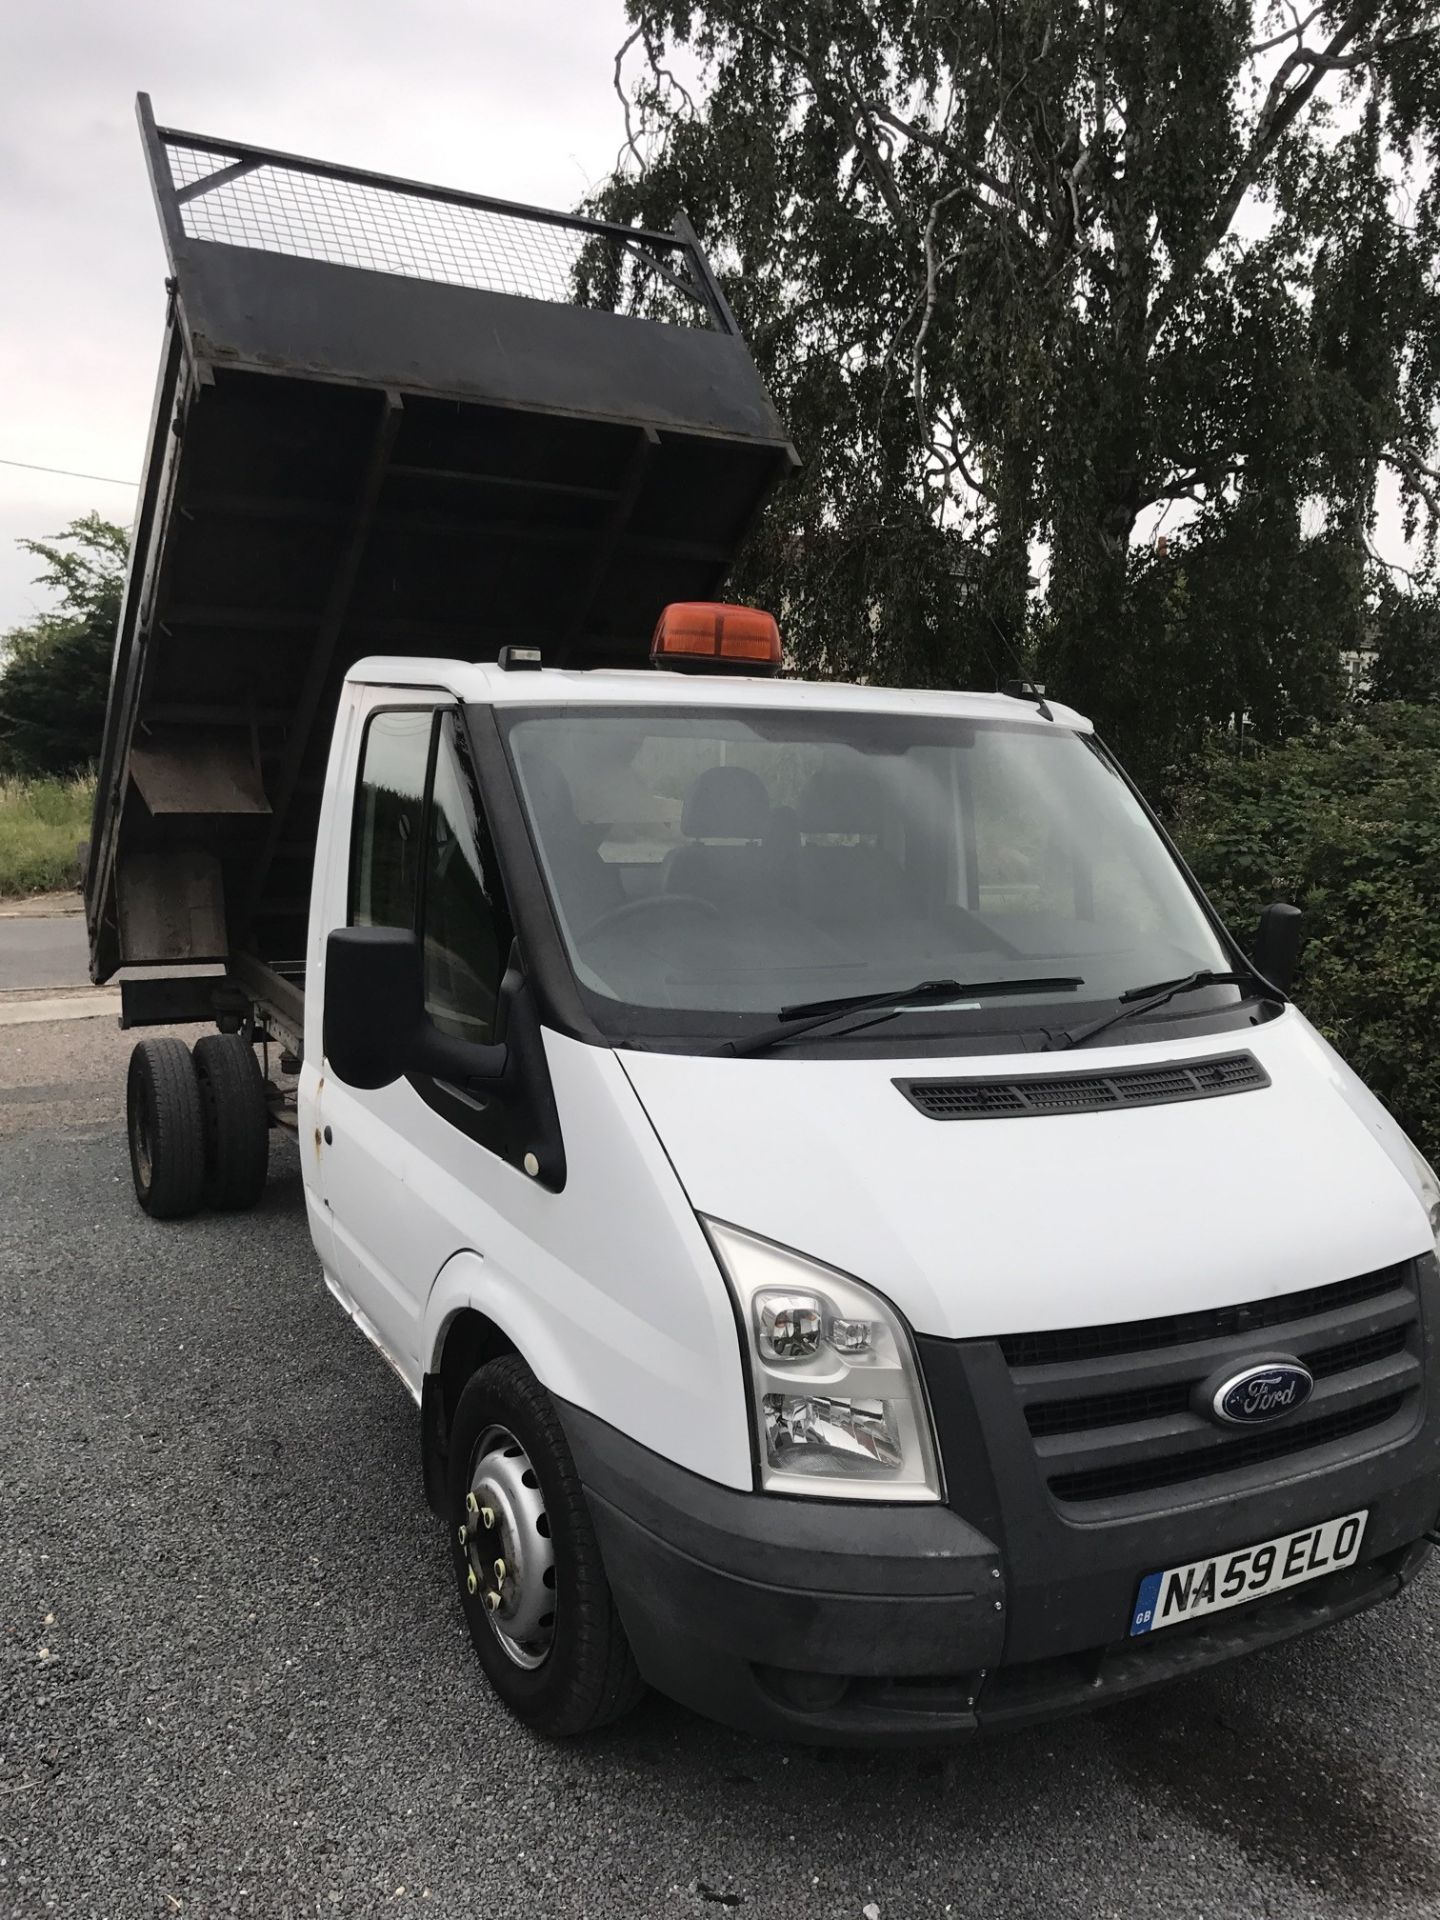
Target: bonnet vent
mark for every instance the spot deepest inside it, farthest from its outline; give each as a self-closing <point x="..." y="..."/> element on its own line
<point x="1030" y="1097"/>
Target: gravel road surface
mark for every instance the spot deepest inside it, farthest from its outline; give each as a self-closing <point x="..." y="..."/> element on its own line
<point x="234" y="1679"/>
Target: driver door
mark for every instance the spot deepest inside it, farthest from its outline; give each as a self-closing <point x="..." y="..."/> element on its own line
<point x="419" y="859"/>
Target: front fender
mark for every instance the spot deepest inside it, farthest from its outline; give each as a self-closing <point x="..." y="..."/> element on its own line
<point x="609" y="1289"/>
<point x="469" y="1281"/>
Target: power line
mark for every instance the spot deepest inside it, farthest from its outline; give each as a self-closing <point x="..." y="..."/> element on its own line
<point x="68" y="473"/>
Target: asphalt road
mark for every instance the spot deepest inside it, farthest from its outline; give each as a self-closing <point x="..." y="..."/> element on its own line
<point x="48" y="952"/>
<point x="234" y="1678"/>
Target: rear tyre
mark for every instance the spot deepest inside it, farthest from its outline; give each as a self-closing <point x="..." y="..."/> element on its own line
<point x="536" y="1599"/>
<point x="165" y="1121"/>
<point x="237" y="1120"/>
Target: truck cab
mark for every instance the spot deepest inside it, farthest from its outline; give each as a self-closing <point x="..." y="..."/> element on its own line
<point x="730" y="1105"/>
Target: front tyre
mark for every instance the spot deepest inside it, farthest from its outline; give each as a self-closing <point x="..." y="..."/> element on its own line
<point x="165" y="1123"/>
<point x="536" y="1599"/>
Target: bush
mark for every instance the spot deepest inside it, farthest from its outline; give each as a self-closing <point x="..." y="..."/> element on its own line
<point x="42" y="823"/>
<point x="1346" y="823"/>
<point x="53" y="686"/>
<point x="55" y="672"/>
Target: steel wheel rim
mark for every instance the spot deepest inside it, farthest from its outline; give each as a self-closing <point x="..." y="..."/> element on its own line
<point x="508" y="1550"/>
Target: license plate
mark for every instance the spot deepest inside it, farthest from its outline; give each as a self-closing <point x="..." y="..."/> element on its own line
<point x="1230" y="1579"/>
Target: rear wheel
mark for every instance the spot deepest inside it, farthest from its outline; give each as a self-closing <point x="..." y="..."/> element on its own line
<point x="165" y="1122"/>
<point x="538" y="1605"/>
<point x="237" y="1120"/>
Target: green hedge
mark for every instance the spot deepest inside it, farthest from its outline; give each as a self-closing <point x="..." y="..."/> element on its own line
<point x="1345" y="823"/>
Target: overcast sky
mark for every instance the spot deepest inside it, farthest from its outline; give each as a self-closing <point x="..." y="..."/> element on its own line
<point x="504" y="99"/>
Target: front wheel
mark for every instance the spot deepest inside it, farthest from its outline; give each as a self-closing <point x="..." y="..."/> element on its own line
<point x="536" y="1599"/>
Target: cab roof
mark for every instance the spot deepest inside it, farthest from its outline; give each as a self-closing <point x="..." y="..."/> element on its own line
<point x="484" y="683"/>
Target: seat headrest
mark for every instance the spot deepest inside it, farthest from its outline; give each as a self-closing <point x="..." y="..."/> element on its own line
<point x="548" y="790"/>
<point x="835" y="800"/>
<point x="725" y="803"/>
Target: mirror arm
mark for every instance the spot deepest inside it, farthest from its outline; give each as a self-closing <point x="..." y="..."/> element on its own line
<point x="512" y="1071"/>
<point x="376" y="1032"/>
<point x="489" y="1069"/>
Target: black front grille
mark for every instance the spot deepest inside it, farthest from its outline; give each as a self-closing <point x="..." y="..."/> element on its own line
<point x="1209" y="1323"/>
<point x="1032" y="1096"/>
<point x="1141" y="1476"/>
<point x="1150" y="1403"/>
<point x="1113" y="1412"/>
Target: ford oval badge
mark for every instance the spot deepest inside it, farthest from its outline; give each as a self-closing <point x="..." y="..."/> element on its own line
<point x="1259" y="1393"/>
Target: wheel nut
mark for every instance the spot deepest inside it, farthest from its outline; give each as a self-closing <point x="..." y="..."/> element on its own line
<point x="472" y="1505"/>
<point x="471" y="1583"/>
<point x="499" y="1573"/>
<point x="492" y="1599"/>
<point x="487" y="1516"/>
<point x="464" y="1535"/>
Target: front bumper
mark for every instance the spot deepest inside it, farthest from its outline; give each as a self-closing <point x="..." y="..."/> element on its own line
<point x="847" y="1623"/>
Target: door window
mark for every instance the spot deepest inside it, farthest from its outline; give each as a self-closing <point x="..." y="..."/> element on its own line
<point x="465" y="926"/>
<point x="421" y="859"/>
<point x="389" y="808"/>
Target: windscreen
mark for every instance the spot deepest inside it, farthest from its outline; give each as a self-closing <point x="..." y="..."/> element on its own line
<point x="715" y="863"/>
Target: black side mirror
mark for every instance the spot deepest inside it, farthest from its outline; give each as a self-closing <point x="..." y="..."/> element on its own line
<point x="1276" y="951"/>
<point x="375" y="1025"/>
<point x="374" y="1004"/>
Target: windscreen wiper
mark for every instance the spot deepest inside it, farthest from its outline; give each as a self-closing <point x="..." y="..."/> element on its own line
<point x="807" y="1015"/>
<point x="1138" y="1000"/>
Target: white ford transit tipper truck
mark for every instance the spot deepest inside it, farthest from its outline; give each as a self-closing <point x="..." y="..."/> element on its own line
<point x="873" y="1256"/>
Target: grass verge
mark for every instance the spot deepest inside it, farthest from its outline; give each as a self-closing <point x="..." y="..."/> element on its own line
<point x="42" y="823"/>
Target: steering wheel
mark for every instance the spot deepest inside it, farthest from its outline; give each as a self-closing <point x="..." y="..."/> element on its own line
<point x="691" y="903"/>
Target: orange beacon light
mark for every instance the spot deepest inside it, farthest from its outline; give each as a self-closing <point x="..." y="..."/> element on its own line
<point x="711" y="635"/>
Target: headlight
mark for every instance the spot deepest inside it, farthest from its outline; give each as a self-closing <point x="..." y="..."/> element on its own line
<point x="839" y="1406"/>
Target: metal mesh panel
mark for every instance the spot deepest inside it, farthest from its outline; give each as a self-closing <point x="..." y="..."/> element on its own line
<point x="188" y="164"/>
<point x="388" y="229"/>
